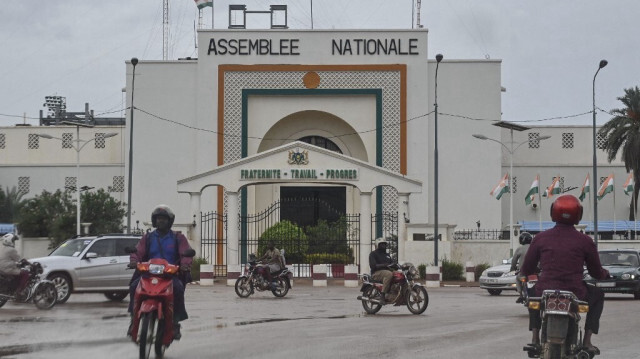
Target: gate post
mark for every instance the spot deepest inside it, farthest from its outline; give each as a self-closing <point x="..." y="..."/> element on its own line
<point x="365" y="231"/>
<point x="403" y="205"/>
<point x="196" y="235"/>
<point x="233" y="228"/>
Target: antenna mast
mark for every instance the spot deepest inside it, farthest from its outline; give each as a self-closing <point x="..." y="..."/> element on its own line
<point x="165" y="29"/>
<point x="418" y="6"/>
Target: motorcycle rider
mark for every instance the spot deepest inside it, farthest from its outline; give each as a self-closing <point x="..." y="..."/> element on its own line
<point x="379" y="262"/>
<point x="271" y="261"/>
<point x="169" y="245"/>
<point x="561" y="253"/>
<point x="525" y="239"/>
<point x="10" y="262"/>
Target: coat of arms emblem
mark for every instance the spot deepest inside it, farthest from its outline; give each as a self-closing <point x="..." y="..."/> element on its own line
<point x="298" y="157"/>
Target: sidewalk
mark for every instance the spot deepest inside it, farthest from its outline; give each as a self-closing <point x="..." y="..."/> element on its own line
<point x="222" y="281"/>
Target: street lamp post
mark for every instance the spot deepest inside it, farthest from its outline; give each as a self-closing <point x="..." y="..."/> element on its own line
<point x="435" y="166"/>
<point x="596" y="182"/>
<point x="77" y="147"/>
<point x="511" y="150"/>
<point x="134" y="62"/>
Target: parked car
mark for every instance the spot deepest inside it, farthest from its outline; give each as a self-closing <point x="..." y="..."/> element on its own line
<point x="498" y="278"/>
<point x="624" y="267"/>
<point x="94" y="264"/>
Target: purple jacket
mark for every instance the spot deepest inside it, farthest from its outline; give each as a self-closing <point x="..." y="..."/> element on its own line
<point x="141" y="249"/>
<point x="562" y="252"/>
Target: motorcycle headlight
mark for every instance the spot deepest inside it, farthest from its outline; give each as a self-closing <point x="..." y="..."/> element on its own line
<point x="156" y="268"/>
<point x="413" y="271"/>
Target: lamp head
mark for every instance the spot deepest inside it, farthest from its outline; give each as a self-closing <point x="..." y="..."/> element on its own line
<point x="134" y="61"/>
<point x="481" y="137"/>
<point x="439" y="58"/>
<point x="603" y="63"/>
<point x="44" y="135"/>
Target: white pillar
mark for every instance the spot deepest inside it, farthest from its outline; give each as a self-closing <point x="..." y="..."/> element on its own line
<point x="233" y="230"/>
<point x="194" y="198"/>
<point x="365" y="231"/>
<point x="433" y="277"/>
<point x="403" y="217"/>
<point x="470" y="271"/>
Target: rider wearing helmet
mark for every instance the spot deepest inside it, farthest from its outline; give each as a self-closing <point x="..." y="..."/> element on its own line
<point x="10" y="262"/>
<point x="518" y="258"/>
<point x="561" y="253"/>
<point x="169" y="245"/>
<point x="379" y="262"/>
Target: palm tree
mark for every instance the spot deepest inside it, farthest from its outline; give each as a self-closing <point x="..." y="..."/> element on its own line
<point x="10" y="203"/>
<point x="623" y="132"/>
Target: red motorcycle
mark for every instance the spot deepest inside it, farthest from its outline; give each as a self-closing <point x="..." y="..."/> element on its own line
<point x="153" y="308"/>
<point x="403" y="291"/>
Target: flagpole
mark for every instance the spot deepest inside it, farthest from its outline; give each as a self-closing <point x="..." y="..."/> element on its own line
<point x="212" y="13"/>
<point x="614" y="208"/>
<point x="539" y="205"/>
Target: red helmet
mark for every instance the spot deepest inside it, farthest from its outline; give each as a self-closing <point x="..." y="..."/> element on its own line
<point x="566" y="209"/>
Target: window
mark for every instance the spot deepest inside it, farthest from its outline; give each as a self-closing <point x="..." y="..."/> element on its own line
<point x="24" y="184"/>
<point x="118" y="184"/>
<point x="602" y="179"/>
<point x="600" y="140"/>
<point x="534" y="140"/>
<point x="321" y="142"/>
<point x="100" y="143"/>
<point x="123" y="243"/>
<point x="567" y="140"/>
<point x="67" y="140"/>
<point x="514" y="179"/>
<point x="70" y="183"/>
<point x="2" y="140"/>
<point x="104" y="247"/>
<point x="34" y="141"/>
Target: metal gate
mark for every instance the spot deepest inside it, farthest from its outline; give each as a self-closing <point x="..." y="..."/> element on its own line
<point x="213" y="245"/>
<point x="336" y="241"/>
<point x="385" y="225"/>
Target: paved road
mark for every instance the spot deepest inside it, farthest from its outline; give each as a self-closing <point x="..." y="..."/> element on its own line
<point x="310" y="322"/>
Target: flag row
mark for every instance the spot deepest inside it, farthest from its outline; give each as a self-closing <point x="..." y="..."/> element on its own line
<point x="554" y="188"/>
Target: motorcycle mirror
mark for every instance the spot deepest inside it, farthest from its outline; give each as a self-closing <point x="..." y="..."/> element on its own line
<point x="189" y="253"/>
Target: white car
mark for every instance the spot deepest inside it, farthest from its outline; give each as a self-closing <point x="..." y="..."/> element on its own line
<point x="95" y="264"/>
<point x="498" y="278"/>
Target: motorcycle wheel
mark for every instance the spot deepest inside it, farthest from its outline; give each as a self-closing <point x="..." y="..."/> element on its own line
<point x="369" y="307"/>
<point x="63" y="286"/>
<point x="244" y="287"/>
<point x="281" y="288"/>
<point x="2" y="301"/>
<point x="147" y="332"/>
<point x="159" y="346"/>
<point x="553" y="351"/>
<point x="417" y="300"/>
<point x="45" y="296"/>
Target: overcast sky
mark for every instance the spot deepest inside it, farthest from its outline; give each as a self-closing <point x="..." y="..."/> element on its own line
<point x="550" y="49"/>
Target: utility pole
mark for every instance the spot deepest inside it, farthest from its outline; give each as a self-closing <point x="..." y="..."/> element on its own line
<point x="165" y="29"/>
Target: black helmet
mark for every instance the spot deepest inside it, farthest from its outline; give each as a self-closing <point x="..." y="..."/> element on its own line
<point x="525" y="238"/>
<point x="162" y="210"/>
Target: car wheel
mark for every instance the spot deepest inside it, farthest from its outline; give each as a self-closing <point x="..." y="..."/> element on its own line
<point x="636" y="294"/>
<point x="63" y="286"/>
<point x="116" y="296"/>
<point x="494" y="291"/>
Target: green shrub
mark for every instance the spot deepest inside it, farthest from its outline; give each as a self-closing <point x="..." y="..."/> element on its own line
<point x="479" y="269"/>
<point x="329" y="258"/>
<point x="422" y="268"/>
<point x="195" y="267"/>
<point x="329" y="237"/>
<point x="287" y="236"/>
<point x="452" y="270"/>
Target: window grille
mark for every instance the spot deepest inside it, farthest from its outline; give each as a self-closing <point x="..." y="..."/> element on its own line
<point x="514" y="179"/>
<point x="567" y="140"/>
<point x="602" y="179"/>
<point x="100" y="143"/>
<point x="24" y="184"/>
<point x="600" y="139"/>
<point x="67" y="140"/>
<point x="70" y="183"/>
<point x="34" y="141"/>
<point x="2" y="140"/>
<point x="118" y="184"/>
<point x="534" y="140"/>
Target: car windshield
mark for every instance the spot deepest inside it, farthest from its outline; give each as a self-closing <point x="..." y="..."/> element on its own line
<point x="629" y="259"/>
<point x="71" y="247"/>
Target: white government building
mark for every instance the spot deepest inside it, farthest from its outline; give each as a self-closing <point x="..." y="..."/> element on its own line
<point x="232" y="131"/>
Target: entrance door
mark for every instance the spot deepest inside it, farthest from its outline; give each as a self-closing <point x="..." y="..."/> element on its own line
<point x="306" y="205"/>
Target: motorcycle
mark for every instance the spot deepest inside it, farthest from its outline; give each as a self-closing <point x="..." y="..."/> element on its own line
<point x="152" y="324"/>
<point x="41" y="292"/>
<point x="403" y="291"/>
<point x="561" y="335"/>
<point x="254" y="278"/>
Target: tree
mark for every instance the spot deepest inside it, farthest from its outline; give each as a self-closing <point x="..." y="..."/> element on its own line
<point x="53" y="215"/>
<point x="10" y="203"/>
<point x="623" y="132"/>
